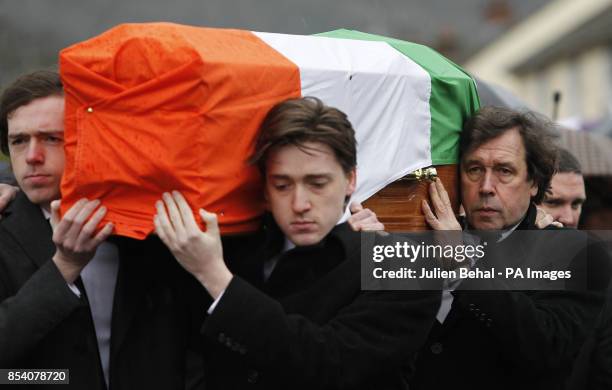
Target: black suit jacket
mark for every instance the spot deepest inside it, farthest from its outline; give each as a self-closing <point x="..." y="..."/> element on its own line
<point x="313" y="327"/>
<point x="593" y="368"/>
<point x="43" y="324"/>
<point x="514" y="339"/>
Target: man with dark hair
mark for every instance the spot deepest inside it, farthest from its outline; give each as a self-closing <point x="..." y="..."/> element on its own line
<point x="507" y="161"/>
<point x="313" y="328"/>
<point x="567" y="193"/>
<point x="504" y="338"/>
<point x="43" y="324"/>
<point x="44" y="90"/>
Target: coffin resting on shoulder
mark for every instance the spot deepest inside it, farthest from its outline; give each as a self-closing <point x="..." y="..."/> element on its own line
<point x="157" y="107"/>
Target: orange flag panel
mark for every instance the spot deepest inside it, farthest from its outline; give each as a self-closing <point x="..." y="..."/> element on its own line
<point x="157" y="107"/>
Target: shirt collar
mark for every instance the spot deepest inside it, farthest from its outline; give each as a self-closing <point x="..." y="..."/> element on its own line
<point x="505" y="233"/>
<point x="46" y="213"/>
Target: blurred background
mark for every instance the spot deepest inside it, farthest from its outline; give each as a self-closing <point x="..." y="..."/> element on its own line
<point x="552" y="56"/>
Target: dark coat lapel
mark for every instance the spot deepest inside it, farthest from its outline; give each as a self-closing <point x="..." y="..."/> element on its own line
<point x="27" y="225"/>
<point x="304" y="265"/>
<point x="509" y="246"/>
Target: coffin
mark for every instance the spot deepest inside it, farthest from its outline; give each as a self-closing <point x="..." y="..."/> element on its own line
<point x="156" y="107"/>
<point x="398" y="205"/>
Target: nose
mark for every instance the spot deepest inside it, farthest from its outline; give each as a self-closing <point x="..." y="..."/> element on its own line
<point x="301" y="201"/>
<point x="487" y="184"/>
<point x="35" y="153"/>
<point x="566" y="216"/>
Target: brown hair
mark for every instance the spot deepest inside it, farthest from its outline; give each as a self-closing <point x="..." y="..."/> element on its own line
<point x="567" y="163"/>
<point x="536" y="132"/>
<point x="299" y="121"/>
<point x="24" y="90"/>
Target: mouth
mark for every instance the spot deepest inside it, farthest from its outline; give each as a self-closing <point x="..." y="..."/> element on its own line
<point x="37" y="178"/>
<point x="487" y="211"/>
<point x="303" y="225"/>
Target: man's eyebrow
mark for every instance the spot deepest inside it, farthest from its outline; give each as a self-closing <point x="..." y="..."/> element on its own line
<point x="318" y="176"/>
<point x="496" y="163"/>
<point x="504" y="164"/>
<point x="36" y="133"/>
<point x="278" y="176"/>
<point x="50" y="131"/>
<point x="314" y="176"/>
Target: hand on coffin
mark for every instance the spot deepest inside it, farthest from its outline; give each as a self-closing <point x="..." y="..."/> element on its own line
<point x="363" y="219"/>
<point x="443" y="216"/>
<point x="543" y="219"/>
<point x="199" y="252"/>
<point x="75" y="236"/>
<point x="443" y="220"/>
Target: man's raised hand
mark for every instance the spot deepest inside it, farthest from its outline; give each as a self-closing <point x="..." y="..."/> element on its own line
<point x="75" y="236"/>
<point x="363" y="219"/>
<point x="199" y="252"/>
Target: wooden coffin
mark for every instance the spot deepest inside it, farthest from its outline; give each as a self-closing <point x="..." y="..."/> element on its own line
<point x="398" y="205"/>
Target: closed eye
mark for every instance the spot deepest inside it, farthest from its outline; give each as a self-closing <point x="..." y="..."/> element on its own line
<point x="319" y="184"/>
<point x="282" y="186"/>
<point x="552" y="202"/>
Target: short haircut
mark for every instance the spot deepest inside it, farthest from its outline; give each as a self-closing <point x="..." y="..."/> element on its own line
<point x="299" y="121"/>
<point x="567" y="163"/>
<point x="25" y="89"/>
<point x="536" y="132"/>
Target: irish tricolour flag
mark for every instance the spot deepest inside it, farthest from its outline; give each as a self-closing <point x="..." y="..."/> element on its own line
<point x="159" y="106"/>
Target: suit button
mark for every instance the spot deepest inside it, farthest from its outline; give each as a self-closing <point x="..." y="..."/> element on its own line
<point x="221" y="338"/>
<point x="252" y="376"/>
<point x="436" y="348"/>
<point x="242" y="351"/>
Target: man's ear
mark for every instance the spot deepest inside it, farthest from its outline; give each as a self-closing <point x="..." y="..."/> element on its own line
<point x="352" y="178"/>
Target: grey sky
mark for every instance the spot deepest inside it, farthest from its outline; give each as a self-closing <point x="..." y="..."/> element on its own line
<point x="33" y="31"/>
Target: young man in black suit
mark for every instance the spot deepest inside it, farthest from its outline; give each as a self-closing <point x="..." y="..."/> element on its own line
<point x="43" y="324"/>
<point x="312" y="327"/>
